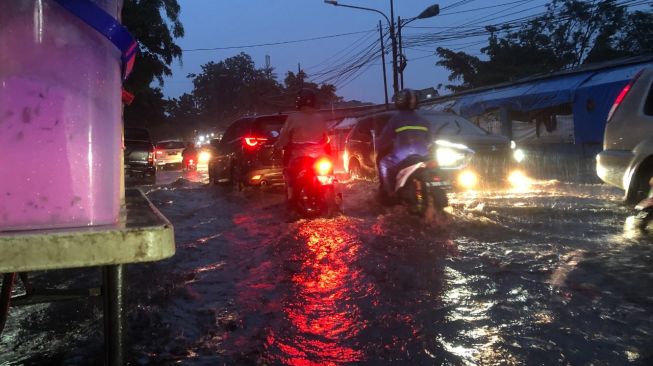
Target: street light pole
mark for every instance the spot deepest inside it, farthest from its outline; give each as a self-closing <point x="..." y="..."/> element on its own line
<point x="431" y="11"/>
<point x="393" y="39"/>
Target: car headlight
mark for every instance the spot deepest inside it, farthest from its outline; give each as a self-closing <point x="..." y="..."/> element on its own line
<point x="518" y="154"/>
<point x="452" y="156"/>
<point x="468" y="179"/>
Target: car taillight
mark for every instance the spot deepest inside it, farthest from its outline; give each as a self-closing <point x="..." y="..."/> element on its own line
<point x="159" y="152"/>
<point x="622" y="95"/>
<point x="323" y="167"/>
<point x="254" y="141"/>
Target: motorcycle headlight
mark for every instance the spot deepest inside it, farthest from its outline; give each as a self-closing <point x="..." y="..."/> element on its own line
<point x="452" y="156"/>
<point x="519" y="155"/>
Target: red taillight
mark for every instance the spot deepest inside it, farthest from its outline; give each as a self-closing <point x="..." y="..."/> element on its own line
<point x="254" y="141"/>
<point x="159" y="152"/>
<point x="323" y="166"/>
<point x="622" y="95"/>
<point x="191" y="161"/>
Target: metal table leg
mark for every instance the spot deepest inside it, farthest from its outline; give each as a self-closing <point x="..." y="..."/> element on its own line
<point x="5" y="298"/>
<point x="114" y="316"/>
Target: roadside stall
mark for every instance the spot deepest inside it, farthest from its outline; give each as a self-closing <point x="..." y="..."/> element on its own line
<point x="63" y="202"/>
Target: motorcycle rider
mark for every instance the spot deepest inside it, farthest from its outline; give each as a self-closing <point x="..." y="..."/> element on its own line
<point x="406" y="133"/>
<point x="303" y="135"/>
<point x="189" y="153"/>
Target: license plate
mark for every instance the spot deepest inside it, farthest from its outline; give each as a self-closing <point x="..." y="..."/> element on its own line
<point x="172" y="153"/>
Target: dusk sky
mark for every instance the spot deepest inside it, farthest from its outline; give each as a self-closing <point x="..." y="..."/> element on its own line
<point x="235" y="23"/>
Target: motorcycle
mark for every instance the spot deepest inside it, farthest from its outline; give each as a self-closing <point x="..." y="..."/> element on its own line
<point x="190" y="163"/>
<point x="313" y="187"/>
<point x="421" y="182"/>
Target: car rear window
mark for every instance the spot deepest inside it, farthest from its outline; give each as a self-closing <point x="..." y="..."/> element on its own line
<point x="171" y="145"/>
<point x="453" y="125"/>
<point x="269" y="126"/>
<point x="140" y="134"/>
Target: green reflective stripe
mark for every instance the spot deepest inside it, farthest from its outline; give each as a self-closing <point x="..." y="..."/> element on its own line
<point x="406" y="128"/>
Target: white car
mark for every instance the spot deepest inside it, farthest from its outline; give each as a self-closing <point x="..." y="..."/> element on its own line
<point x="169" y="153"/>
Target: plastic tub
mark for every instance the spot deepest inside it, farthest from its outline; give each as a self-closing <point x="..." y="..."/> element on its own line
<point x="60" y="119"/>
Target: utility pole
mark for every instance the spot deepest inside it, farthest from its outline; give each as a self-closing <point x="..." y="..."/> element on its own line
<point x="395" y="74"/>
<point x="385" y="80"/>
<point x="402" y="58"/>
<point x="299" y="75"/>
<point x="268" y="67"/>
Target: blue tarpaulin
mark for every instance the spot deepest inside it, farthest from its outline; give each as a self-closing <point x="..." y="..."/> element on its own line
<point x="594" y="98"/>
<point x="590" y="93"/>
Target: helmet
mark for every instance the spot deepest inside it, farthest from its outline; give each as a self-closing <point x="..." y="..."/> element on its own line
<point x="406" y="99"/>
<point x="306" y="98"/>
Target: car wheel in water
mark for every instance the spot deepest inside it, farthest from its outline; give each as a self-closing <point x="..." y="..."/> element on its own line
<point x="235" y="183"/>
<point x="642" y="188"/>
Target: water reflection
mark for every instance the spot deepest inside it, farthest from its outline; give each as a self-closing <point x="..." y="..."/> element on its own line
<point x="322" y="318"/>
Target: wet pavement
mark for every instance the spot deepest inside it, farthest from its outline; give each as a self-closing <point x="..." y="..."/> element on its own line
<point x="549" y="274"/>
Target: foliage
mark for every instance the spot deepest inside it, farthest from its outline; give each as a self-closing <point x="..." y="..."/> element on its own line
<point x="569" y="34"/>
<point x="156" y="35"/>
<point x="233" y="87"/>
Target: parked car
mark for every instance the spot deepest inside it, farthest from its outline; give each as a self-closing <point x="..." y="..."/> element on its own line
<point x="139" y="155"/>
<point x="245" y="155"/>
<point x="169" y="153"/>
<point x="627" y="157"/>
<point x="494" y="157"/>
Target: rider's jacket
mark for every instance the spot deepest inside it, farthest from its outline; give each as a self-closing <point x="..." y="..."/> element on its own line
<point x="405" y="129"/>
<point x="303" y="134"/>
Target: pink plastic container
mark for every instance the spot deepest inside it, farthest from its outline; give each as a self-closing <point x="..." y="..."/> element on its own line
<point x="60" y="118"/>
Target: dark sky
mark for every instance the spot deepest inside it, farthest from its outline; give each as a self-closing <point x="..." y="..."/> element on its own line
<point x="235" y="23"/>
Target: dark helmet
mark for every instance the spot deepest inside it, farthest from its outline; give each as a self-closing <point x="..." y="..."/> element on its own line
<point x="306" y="98"/>
<point x="406" y="99"/>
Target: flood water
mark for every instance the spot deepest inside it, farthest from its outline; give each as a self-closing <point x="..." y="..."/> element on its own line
<point x="549" y="274"/>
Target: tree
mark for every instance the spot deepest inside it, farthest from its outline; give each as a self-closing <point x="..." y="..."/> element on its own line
<point x="234" y="87"/>
<point x="155" y="35"/>
<point x="293" y="83"/>
<point x="229" y="88"/>
<point x="183" y="117"/>
<point x="570" y="33"/>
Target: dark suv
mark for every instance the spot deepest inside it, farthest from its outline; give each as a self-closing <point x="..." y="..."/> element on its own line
<point x="245" y="155"/>
<point x="493" y="156"/>
<point x="139" y="155"/>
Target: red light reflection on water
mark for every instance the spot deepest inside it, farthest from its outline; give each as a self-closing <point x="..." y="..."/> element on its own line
<point x="322" y="317"/>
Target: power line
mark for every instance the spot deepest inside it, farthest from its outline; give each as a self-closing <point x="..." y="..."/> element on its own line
<point x="483" y="8"/>
<point x="278" y="43"/>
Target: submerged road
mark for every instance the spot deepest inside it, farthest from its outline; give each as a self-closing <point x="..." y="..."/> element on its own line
<point x="550" y="274"/>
